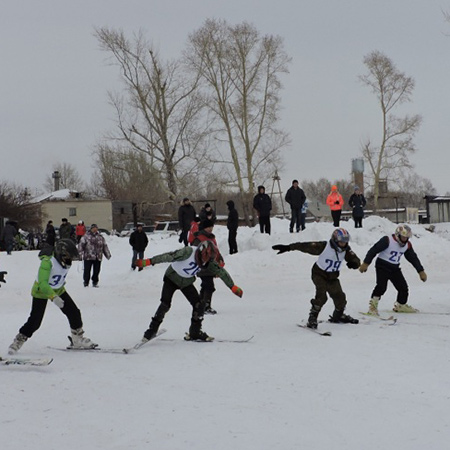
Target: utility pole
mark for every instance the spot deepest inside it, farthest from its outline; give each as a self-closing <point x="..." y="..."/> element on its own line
<point x="276" y="179"/>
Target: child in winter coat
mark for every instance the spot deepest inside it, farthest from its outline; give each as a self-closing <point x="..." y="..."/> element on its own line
<point x="390" y="249"/>
<point x="50" y="284"/>
<point x="180" y="275"/>
<point x="325" y="273"/>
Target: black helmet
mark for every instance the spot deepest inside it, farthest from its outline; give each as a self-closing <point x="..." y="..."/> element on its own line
<point x="65" y="251"/>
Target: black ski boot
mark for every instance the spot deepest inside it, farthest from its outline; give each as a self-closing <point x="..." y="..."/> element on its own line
<point x="313" y="315"/>
<point x="340" y="317"/>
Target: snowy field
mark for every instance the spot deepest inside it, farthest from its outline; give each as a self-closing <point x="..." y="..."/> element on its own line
<point x="369" y="386"/>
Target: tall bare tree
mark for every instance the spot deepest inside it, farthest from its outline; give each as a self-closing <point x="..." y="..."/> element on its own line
<point x="242" y="71"/>
<point x="70" y="178"/>
<point x="159" y="110"/>
<point x="392" y="88"/>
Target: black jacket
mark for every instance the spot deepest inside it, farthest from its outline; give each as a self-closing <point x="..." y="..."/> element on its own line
<point x="357" y="202"/>
<point x="233" y="217"/>
<point x="262" y="203"/>
<point x="138" y="240"/>
<point x="186" y="214"/>
<point x="295" y="197"/>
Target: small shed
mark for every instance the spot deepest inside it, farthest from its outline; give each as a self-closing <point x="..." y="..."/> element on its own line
<point x="438" y="208"/>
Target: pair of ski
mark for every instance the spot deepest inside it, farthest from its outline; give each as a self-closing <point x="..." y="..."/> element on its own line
<point x="391" y="320"/>
<point x="140" y="344"/>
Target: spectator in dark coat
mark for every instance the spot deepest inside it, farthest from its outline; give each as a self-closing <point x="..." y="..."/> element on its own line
<point x="50" y="234"/>
<point x="232" y="225"/>
<point x="8" y="236"/>
<point x="295" y="197"/>
<point x="357" y="202"/>
<point x="138" y="241"/>
<point x="207" y="213"/>
<point x="263" y="205"/>
<point x="186" y="214"/>
<point x="65" y="229"/>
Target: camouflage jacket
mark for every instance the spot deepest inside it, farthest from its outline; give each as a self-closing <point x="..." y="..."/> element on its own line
<point x="93" y="246"/>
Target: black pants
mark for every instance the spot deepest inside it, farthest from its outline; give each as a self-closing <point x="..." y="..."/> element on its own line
<point x="397" y="279"/>
<point x="232" y="243"/>
<point x="358" y="221"/>
<point x="264" y="224"/>
<point x="327" y="282"/>
<point x="70" y="310"/>
<point x="190" y="292"/>
<point x="95" y="265"/>
<point x="302" y="221"/>
<point x="207" y="289"/>
<point x="336" y="215"/>
<point x="296" y="219"/>
<point x="184" y="237"/>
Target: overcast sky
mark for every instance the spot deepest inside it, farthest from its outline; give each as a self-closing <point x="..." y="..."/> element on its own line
<point x="54" y="78"/>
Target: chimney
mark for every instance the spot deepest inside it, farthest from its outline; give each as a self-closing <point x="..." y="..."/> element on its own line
<point x="56" y="176"/>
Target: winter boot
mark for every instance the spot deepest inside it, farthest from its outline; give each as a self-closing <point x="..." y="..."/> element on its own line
<point x="16" y="345"/>
<point x="340" y="317"/>
<point x="373" y="306"/>
<point x="313" y="315"/>
<point x="152" y="329"/>
<point x="79" y="341"/>
<point x="196" y="333"/>
<point x="398" y="307"/>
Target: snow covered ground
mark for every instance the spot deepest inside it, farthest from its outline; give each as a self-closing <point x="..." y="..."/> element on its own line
<point x="369" y="386"/>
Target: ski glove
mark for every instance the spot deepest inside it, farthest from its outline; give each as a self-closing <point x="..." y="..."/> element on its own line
<point x="281" y="248"/>
<point x="58" y="301"/>
<point x="143" y="262"/>
<point x="237" y="291"/>
<point x="363" y="267"/>
<point x="423" y="275"/>
<point x="2" y="277"/>
<point x="353" y="265"/>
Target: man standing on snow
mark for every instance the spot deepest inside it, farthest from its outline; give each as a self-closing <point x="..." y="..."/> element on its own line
<point x="295" y="197"/>
<point x="186" y="214"/>
<point x="92" y="248"/>
<point x="263" y="205"/>
<point x="390" y="249"/>
<point x="232" y="225"/>
<point x="138" y="241"/>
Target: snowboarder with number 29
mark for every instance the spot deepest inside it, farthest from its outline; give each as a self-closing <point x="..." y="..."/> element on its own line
<point x="325" y="273"/>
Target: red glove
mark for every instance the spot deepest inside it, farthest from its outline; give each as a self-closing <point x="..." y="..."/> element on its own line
<point x="237" y="291"/>
<point x="143" y="262"/>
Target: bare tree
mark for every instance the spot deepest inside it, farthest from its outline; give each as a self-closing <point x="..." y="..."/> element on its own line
<point x="413" y="188"/>
<point x="159" y="111"/>
<point x="391" y="88"/>
<point x="240" y="70"/>
<point x="16" y="205"/>
<point x="70" y="178"/>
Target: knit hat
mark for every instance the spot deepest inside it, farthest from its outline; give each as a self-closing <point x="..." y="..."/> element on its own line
<point x="356" y="188"/>
<point x="334" y="187"/>
<point x="94" y="225"/>
<point x="185" y="199"/>
<point x="207" y="223"/>
<point x="207" y="205"/>
<point x="295" y="181"/>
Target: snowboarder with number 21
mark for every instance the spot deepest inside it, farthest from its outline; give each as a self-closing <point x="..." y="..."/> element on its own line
<point x="325" y="273"/>
<point x="180" y="275"/>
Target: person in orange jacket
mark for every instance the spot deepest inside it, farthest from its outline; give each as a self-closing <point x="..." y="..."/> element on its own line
<point x="335" y="202"/>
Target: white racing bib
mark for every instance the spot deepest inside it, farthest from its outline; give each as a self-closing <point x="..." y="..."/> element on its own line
<point x="330" y="260"/>
<point x="57" y="275"/>
<point x="188" y="267"/>
<point x="394" y="252"/>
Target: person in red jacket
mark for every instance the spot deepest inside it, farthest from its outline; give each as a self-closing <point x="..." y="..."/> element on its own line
<point x="80" y="230"/>
<point x="335" y="202"/>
